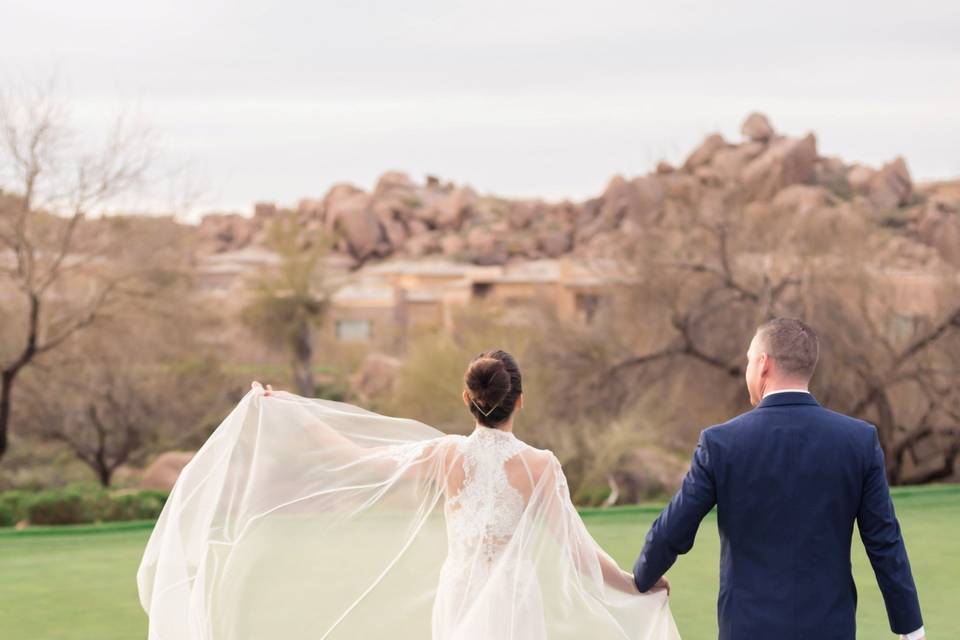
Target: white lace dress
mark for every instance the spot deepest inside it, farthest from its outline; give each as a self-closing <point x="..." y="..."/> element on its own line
<point x="310" y="519"/>
<point x="484" y="505"/>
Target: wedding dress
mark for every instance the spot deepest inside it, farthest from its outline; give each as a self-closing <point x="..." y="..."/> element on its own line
<point x="309" y="518"/>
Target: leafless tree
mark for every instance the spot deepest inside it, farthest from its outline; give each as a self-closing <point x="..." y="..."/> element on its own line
<point x="142" y="379"/>
<point x="694" y="288"/>
<point x="50" y="184"/>
<point x="899" y="372"/>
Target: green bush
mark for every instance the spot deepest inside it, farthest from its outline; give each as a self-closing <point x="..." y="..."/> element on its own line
<point x="143" y="505"/>
<point x="13" y="506"/>
<point x="68" y="506"/>
<point x="7" y="518"/>
<point x="76" y="504"/>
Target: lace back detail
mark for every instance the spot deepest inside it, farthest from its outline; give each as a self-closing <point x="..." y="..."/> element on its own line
<point x="482" y="517"/>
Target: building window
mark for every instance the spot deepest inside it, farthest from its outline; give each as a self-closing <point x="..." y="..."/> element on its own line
<point x="353" y="329"/>
<point x="587" y="305"/>
<point x="481" y="289"/>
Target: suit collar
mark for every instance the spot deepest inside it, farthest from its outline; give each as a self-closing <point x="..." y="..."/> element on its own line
<point x="787" y="398"/>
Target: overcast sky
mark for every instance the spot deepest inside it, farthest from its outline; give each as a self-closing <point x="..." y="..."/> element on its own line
<point x="279" y="100"/>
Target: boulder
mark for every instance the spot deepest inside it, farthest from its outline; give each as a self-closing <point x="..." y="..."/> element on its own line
<point x="648" y="196"/>
<point x="939" y="227"/>
<point x="459" y="205"/>
<point x="391" y="221"/>
<point x="786" y="161"/>
<point x="638" y="200"/>
<point x="447" y="210"/>
<point x="485" y="248"/>
<point x="729" y="162"/>
<point x="587" y="214"/>
<point x="757" y="128"/>
<point x="264" y="211"/>
<point x="351" y="215"/>
<point x="452" y="245"/>
<point x="521" y="215"/>
<point x="393" y="184"/>
<point x="554" y="243"/>
<point x="705" y="152"/>
<point x="340" y="191"/>
<point x="708" y="176"/>
<point x="219" y="232"/>
<point x="665" y="167"/>
<point x="891" y="186"/>
<point x="802" y="198"/>
<point x="859" y="178"/>
<point x="422" y="244"/>
<point x="376" y="376"/>
<point x="682" y="187"/>
<point x="310" y="208"/>
<point x="832" y="174"/>
<point x="417" y="227"/>
<point x="523" y="245"/>
<point x="395" y="232"/>
<point x="164" y="470"/>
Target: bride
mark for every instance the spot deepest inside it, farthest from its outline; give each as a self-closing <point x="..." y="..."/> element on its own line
<point x="309" y="518"/>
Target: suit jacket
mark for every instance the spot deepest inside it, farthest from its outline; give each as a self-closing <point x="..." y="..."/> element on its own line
<point x="788" y="478"/>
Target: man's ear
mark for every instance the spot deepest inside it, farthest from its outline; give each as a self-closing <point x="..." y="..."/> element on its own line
<point x="766" y="365"/>
<point x="466" y="398"/>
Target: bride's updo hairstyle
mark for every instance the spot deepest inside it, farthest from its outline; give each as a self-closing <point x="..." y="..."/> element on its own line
<point x="493" y="384"/>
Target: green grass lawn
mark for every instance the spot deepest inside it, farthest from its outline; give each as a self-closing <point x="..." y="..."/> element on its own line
<point x="79" y="582"/>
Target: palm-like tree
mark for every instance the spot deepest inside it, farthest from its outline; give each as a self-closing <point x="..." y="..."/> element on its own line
<point x="292" y="297"/>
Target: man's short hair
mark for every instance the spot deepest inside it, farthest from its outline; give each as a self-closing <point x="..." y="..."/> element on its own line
<point x="792" y="344"/>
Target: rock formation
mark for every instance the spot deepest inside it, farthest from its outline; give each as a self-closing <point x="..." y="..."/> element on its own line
<point x="401" y="217"/>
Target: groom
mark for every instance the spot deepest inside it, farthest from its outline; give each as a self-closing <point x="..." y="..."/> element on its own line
<point x="788" y="479"/>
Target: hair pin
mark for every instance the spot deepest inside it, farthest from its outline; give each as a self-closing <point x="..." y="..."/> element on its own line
<point x="485" y="413"/>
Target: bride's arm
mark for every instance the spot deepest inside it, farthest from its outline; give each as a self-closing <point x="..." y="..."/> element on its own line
<point x="389" y="458"/>
<point x="613" y="576"/>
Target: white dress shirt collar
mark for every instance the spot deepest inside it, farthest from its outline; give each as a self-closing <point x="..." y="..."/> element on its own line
<point x="770" y="393"/>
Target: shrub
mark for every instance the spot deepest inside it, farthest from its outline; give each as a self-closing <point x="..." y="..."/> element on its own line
<point x="13" y="506"/>
<point x="78" y="504"/>
<point x="142" y="505"/>
<point x="7" y="518"/>
<point x="68" y="506"/>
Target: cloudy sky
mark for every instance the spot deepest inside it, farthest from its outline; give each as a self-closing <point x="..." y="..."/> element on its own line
<point x="279" y="100"/>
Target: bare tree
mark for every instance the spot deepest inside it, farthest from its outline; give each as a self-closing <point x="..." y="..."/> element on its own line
<point x="899" y="372"/>
<point x="683" y="300"/>
<point x="51" y="185"/>
<point x="694" y="287"/>
<point x="140" y="380"/>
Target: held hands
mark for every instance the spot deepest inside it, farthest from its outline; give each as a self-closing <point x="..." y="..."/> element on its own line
<point x="661" y="585"/>
<point x="266" y="391"/>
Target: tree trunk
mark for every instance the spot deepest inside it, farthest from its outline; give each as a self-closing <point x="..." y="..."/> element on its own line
<point x="303" y="359"/>
<point x="6" y="389"/>
<point x="105" y="475"/>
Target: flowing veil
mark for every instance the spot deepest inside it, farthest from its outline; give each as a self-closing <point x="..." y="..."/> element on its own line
<point x="308" y="518"/>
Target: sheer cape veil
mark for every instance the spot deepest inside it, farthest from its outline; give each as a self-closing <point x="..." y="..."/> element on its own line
<point x="308" y="518"/>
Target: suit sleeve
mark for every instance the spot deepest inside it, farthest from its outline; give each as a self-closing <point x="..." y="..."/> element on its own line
<point x="881" y="536"/>
<point x="675" y="529"/>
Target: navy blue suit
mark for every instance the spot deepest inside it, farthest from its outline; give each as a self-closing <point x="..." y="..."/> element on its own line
<point x="788" y="478"/>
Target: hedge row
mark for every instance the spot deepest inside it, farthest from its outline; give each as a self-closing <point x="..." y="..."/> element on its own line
<point x="79" y="504"/>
